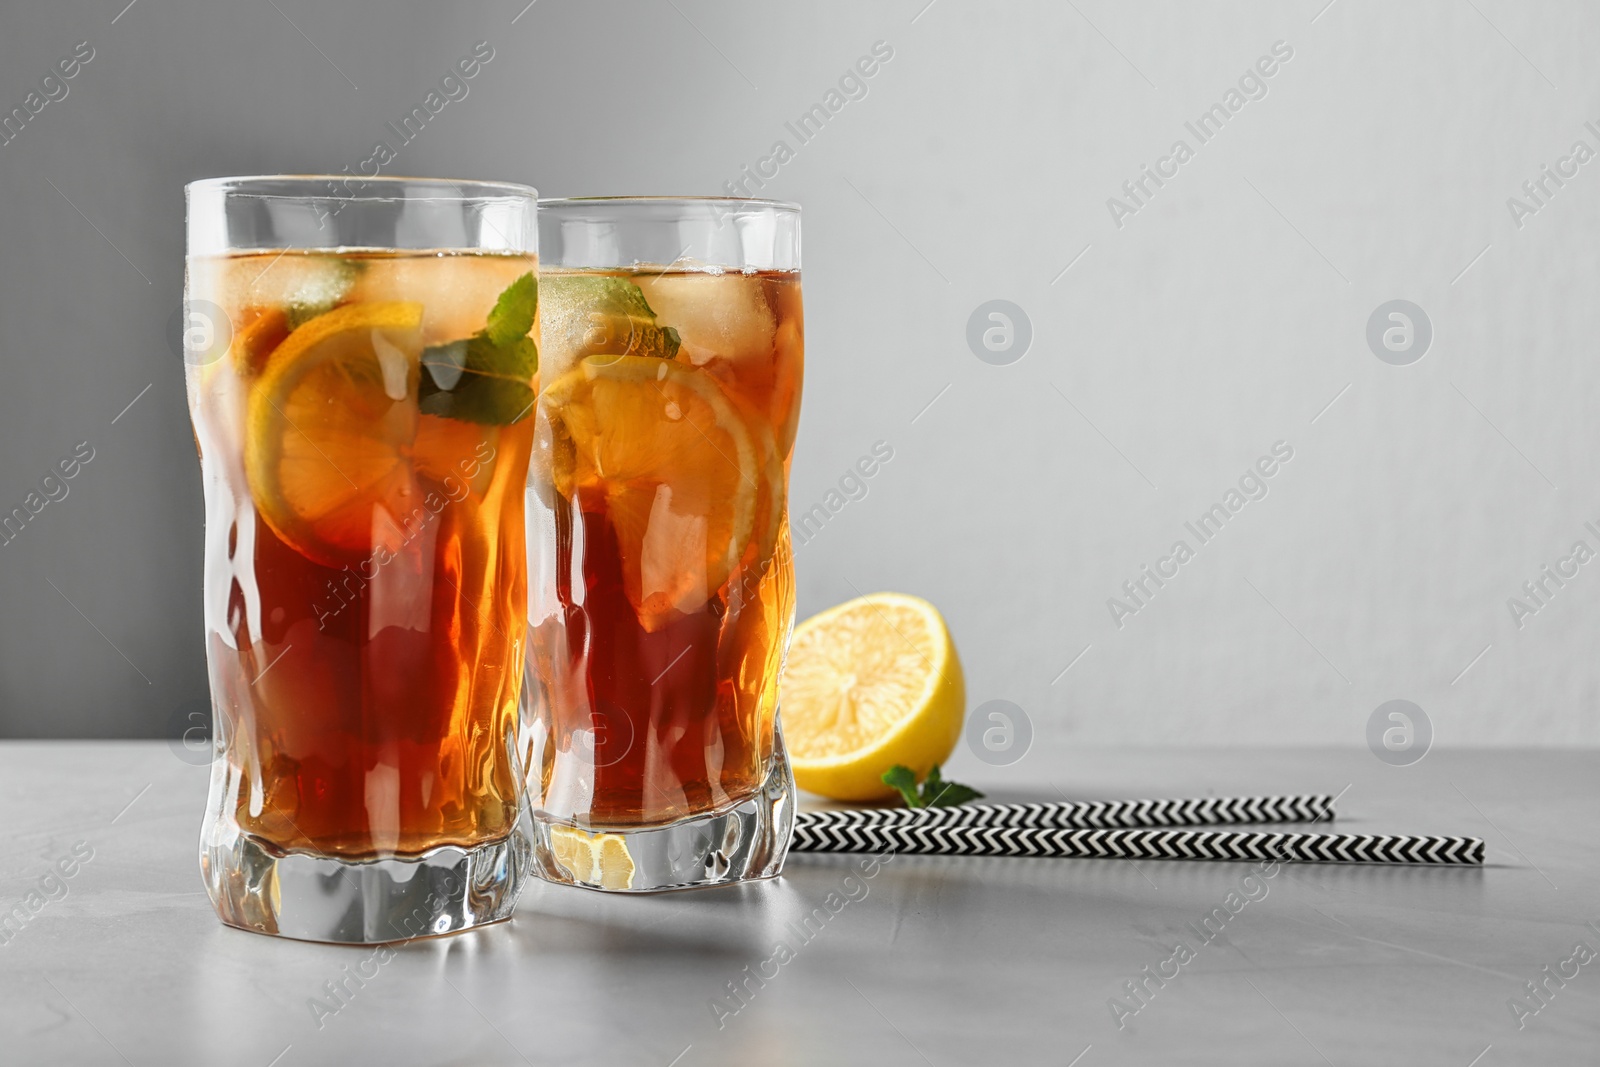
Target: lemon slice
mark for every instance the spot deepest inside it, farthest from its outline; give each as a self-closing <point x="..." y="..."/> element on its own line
<point x="329" y="426"/>
<point x="262" y="331"/>
<point x="593" y="859"/>
<point x="869" y="684"/>
<point x="656" y="447"/>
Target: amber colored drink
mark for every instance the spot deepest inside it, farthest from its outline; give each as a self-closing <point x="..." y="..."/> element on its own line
<point x="365" y="462"/>
<point x="663" y="597"/>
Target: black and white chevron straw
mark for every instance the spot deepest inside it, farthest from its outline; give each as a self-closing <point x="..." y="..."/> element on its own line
<point x="1094" y="814"/>
<point x="1122" y="830"/>
<point x="1145" y="844"/>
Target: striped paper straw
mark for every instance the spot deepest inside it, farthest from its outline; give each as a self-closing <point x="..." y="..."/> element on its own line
<point x="1096" y="814"/>
<point x="956" y="840"/>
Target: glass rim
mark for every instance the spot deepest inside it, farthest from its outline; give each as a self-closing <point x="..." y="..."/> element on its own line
<point x="317" y="187"/>
<point x="735" y="201"/>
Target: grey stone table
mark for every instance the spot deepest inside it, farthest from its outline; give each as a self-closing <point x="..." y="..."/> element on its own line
<point x="930" y="960"/>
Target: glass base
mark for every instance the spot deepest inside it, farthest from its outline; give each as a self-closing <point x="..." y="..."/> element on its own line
<point x="742" y="843"/>
<point x="320" y="898"/>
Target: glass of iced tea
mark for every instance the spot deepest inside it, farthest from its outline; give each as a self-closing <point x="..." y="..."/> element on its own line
<point x="661" y="585"/>
<point x="362" y="366"/>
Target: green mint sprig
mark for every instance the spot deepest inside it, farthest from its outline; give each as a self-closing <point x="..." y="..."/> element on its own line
<point x="488" y="377"/>
<point x="935" y="792"/>
<point x="612" y="318"/>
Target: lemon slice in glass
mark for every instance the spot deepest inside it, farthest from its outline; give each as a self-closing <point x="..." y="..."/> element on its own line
<point x="329" y="427"/>
<point x="654" y="446"/>
<point x="595" y="859"/>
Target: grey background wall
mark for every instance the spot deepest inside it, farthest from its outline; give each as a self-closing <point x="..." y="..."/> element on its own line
<point x="1173" y="344"/>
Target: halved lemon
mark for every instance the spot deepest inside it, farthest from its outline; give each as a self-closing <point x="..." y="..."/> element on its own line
<point x="869" y="684"/>
<point x="656" y="447"/>
<point x="329" y="428"/>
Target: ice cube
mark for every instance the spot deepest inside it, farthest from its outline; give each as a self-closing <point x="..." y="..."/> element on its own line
<point x="564" y="325"/>
<point x="456" y="291"/>
<point x="303" y="285"/>
<point x="723" y="316"/>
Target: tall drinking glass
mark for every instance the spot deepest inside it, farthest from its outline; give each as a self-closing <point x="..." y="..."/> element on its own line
<point x="361" y="362"/>
<point x="661" y="583"/>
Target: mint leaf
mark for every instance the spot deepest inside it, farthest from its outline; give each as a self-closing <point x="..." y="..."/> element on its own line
<point x="938" y="793"/>
<point x="603" y="315"/>
<point x="935" y="791"/>
<point x="905" y="781"/>
<point x="512" y="316"/>
<point x="607" y="293"/>
<point x="478" y="381"/>
<point x="488" y="377"/>
<point x="949" y="795"/>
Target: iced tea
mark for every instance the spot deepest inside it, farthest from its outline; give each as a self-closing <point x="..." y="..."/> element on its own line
<point x="364" y="435"/>
<point x="662" y="588"/>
